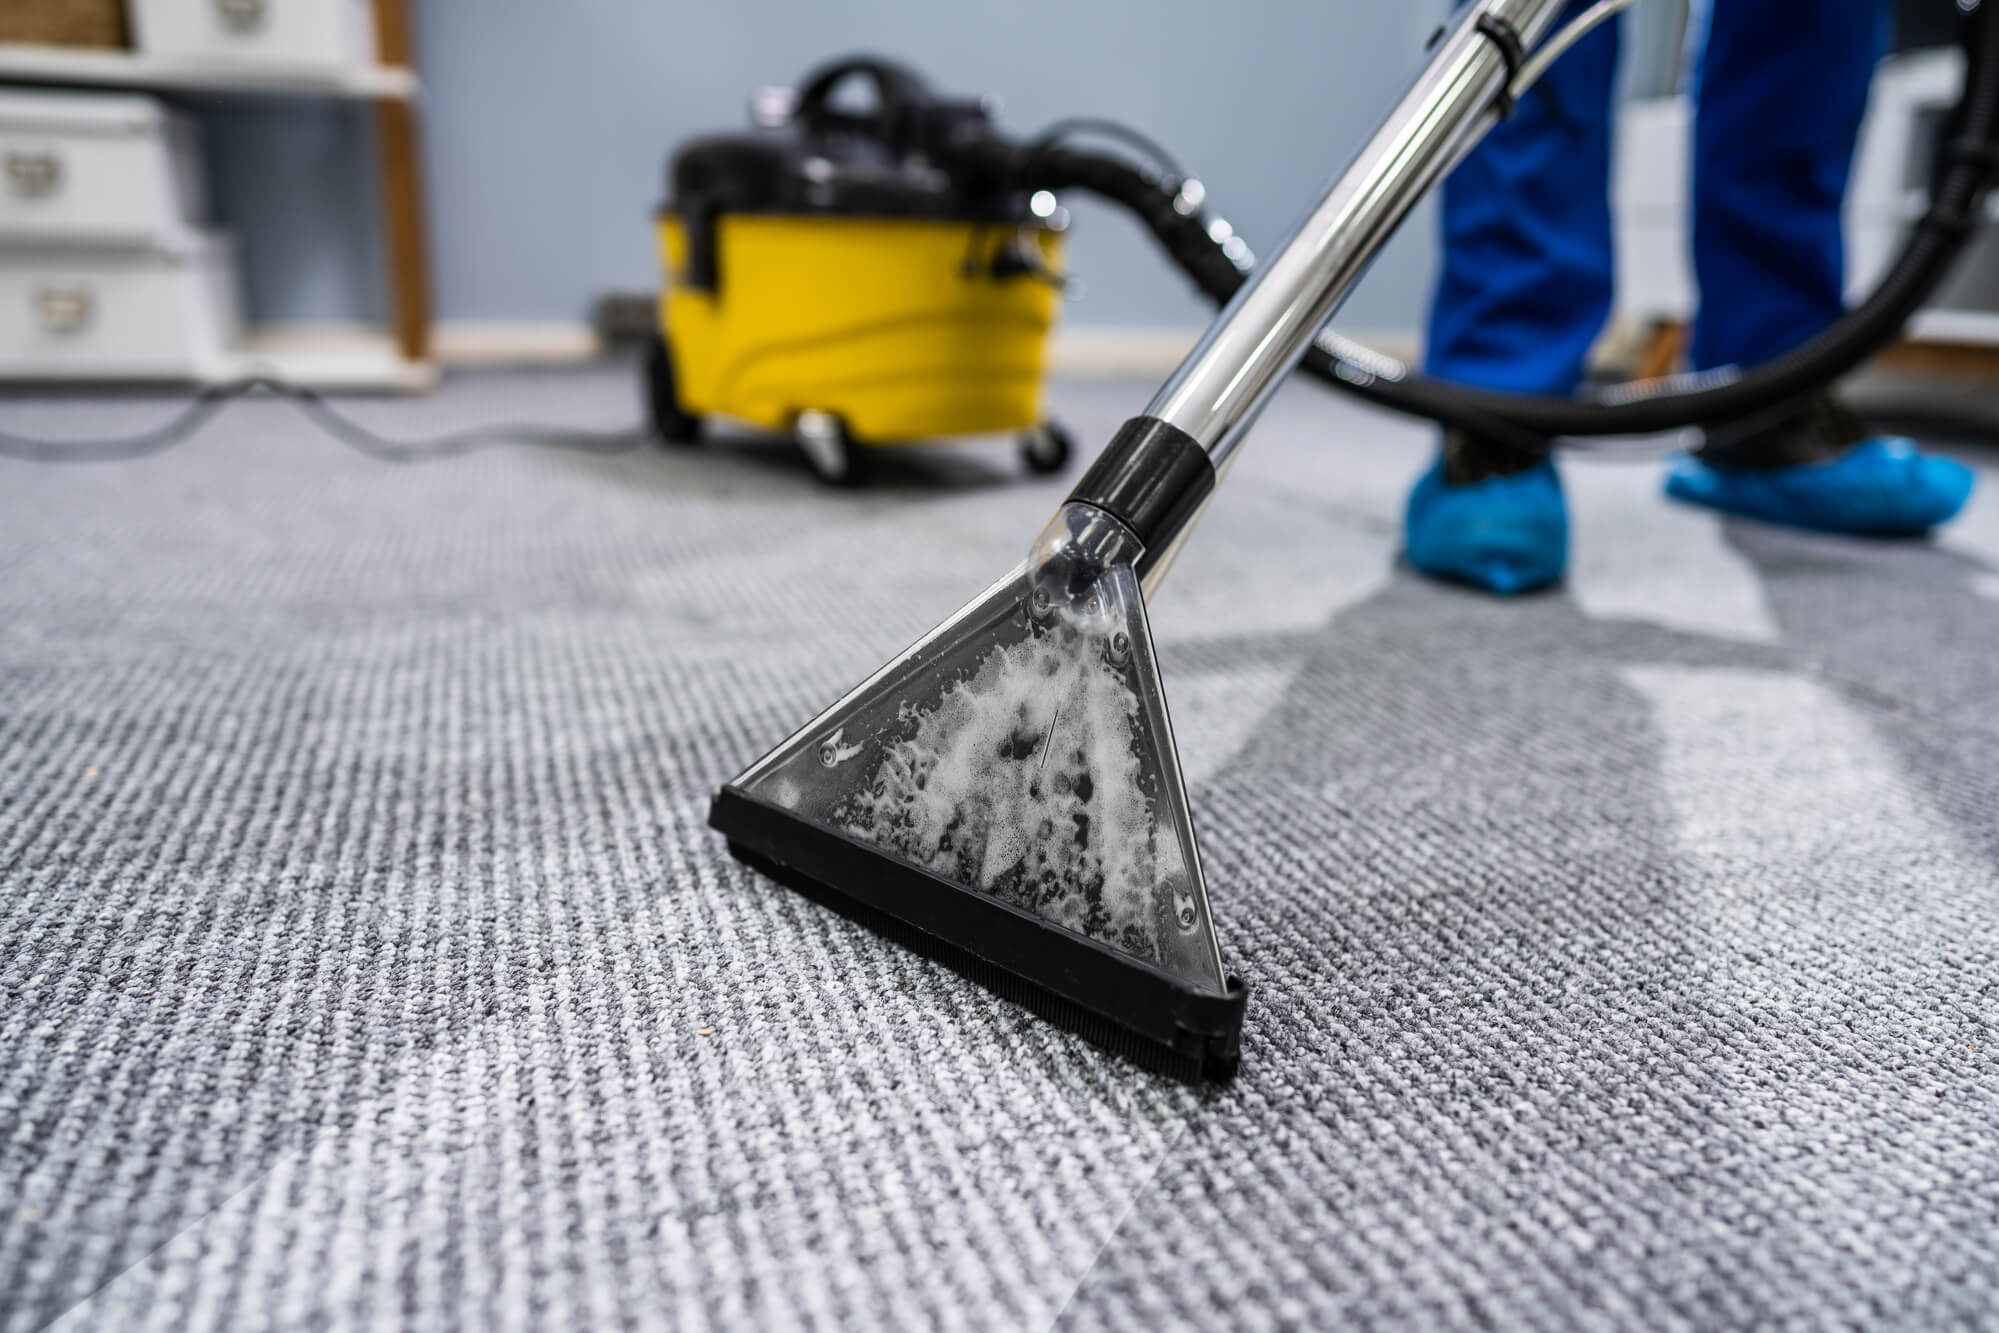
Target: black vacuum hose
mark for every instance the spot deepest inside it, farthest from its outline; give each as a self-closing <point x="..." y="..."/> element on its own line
<point x="1967" y="161"/>
<point x="1185" y="238"/>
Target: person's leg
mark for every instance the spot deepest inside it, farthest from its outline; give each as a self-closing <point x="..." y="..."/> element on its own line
<point x="1781" y="94"/>
<point x="1524" y="289"/>
<point x="1525" y="282"/>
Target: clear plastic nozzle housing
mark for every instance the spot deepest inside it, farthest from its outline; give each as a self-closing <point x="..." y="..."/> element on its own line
<point x="1022" y="750"/>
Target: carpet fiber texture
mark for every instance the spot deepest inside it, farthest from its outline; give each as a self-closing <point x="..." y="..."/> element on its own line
<point x="1622" y="957"/>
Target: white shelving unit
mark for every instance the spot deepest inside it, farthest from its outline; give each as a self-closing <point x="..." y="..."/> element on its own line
<point x="396" y="358"/>
<point x="332" y="357"/>
<point x="80" y="68"/>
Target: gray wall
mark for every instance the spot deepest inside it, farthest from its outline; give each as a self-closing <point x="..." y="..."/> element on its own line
<point x="548" y="123"/>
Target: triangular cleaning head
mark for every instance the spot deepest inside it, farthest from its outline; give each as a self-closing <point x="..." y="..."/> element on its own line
<point x="1007" y="791"/>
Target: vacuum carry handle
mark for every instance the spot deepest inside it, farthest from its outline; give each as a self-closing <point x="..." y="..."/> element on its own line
<point x="895" y="89"/>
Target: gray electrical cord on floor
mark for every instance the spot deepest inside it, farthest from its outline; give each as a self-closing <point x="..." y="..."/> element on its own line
<point x="314" y="406"/>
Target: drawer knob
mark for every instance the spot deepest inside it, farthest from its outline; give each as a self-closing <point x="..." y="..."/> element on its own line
<point x="241" y="15"/>
<point x="64" y="310"/>
<point x="32" y="175"/>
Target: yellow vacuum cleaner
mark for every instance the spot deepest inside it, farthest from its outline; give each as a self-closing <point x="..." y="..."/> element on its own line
<point x="826" y="277"/>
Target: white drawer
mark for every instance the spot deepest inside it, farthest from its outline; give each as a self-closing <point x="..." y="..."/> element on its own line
<point x="298" y="32"/>
<point x="164" y="312"/>
<point x="95" y="168"/>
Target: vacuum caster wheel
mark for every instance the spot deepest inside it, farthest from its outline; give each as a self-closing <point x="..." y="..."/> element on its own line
<point x="837" y="459"/>
<point x="670" y="421"/>
<point x="1045" y="448"/>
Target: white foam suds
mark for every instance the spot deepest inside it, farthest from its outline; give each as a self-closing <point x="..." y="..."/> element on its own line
<point x="1024" y="780"/>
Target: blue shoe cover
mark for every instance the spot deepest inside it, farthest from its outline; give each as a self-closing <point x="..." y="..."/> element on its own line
<point x="1504" y="534"/>
<point x="1882" y="487"/>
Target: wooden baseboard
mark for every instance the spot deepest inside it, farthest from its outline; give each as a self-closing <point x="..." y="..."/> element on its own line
<point x="493" y="343"/>
<point x="1111" y="350"/>
<point x="1086" y="350"/>
<point x="1661" y="351"/>
<point x="1940" y="360"/>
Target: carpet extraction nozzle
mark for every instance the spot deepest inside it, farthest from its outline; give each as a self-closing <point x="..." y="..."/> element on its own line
<point x="1006" y="795"/>
<point x="1007" y="790"/>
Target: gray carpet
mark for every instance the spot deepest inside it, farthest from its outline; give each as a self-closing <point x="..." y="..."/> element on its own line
<point x="1624" y="957"/>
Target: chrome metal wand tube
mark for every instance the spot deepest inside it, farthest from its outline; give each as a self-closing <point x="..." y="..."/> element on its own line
<point x="1151" y="477"/>
<point x="1263" y="332"/>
